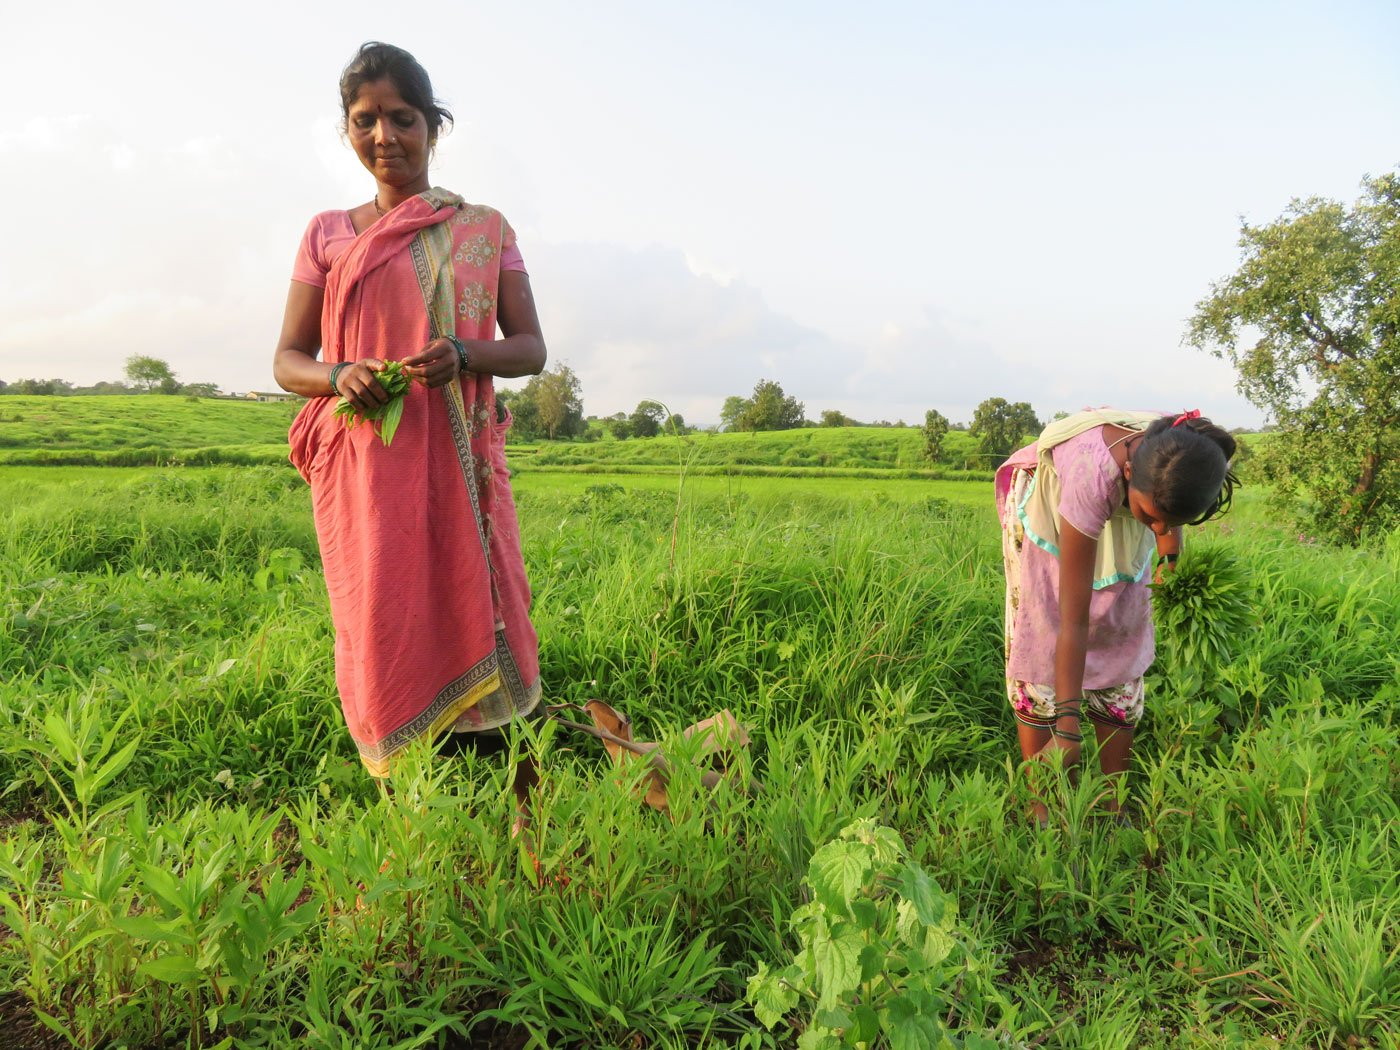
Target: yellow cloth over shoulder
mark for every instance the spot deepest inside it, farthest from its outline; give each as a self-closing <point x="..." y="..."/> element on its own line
<point x="1125" y="545"/>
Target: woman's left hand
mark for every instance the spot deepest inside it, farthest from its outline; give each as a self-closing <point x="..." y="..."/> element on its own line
<point x="435" y="365"/>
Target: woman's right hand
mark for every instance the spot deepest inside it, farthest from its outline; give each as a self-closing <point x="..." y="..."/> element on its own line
<point x="358" y="385"/>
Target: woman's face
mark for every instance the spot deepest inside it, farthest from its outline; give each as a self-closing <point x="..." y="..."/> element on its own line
<point x="1145" y="510"/>
<point x="390" y="137"/>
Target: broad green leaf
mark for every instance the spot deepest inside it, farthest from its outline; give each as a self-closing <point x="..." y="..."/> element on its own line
<point x="834" y="1018"/>
<point x="172" y="969"/>
<point x="770" y="995"/>
<point x="910" y="1028"/>
<point x="938" y="945"/>
<point x="114" y="766"/>
<point x="164" y="887"/>
<point x="918" y="889"/>
<point x="871" y="960"/>
<point x="61" y="737"/>
<point x="867" y="1024"/>
<point x="837" y="959"/>
<point x="837" y="873"/>
<point x="818" y="1038"/>
<point x="906" y="922"/>
<point x="115" y="805"/>
<point x="145" y="927"/>
<point x="865" y="912"/>
<point x="889" y="847"/>
<point x="393" y="412"/>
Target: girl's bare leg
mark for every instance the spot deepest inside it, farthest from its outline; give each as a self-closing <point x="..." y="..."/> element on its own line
<point x="1115" y="750"/>
<point x="527" y="778"/>
<point x="1032" y="739"/>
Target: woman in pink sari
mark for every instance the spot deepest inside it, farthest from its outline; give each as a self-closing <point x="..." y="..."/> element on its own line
<point x="419" y="539"/>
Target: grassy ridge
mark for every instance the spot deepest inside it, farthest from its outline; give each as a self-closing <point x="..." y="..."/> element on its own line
<point x="121" y="423"/>
<point x="228" y="871"/>
<point x="867" y="448"/>
<point x="156" y="430"/>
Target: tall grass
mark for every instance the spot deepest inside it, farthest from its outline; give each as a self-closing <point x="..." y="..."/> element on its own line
<point x="192" y="855"/>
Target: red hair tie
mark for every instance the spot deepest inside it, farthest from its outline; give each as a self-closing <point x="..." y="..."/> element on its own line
<point x="1195" y="413"/>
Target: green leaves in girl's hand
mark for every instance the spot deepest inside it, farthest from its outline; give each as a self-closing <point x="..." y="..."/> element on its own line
<point x="395" y="382"/>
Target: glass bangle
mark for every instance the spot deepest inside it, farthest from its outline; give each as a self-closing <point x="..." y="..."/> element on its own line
<point x="461" y="353"/>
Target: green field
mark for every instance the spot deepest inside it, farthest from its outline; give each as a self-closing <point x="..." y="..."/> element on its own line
<point x="827" y="448"/>
<point x="194" y="857"/>
<point x="158" y="430"/>
<point x="108" y="429"/>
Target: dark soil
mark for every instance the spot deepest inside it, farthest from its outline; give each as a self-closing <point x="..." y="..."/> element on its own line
<point x="20" y="1029"/>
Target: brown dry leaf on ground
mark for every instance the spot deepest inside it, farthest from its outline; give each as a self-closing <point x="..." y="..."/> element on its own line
<point x="721" y="739"/>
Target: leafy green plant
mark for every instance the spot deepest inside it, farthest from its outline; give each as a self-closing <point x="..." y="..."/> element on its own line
<point x="1205" y="608"/>
<point x="603" y="979"/>
<point x="395" y="382"/>
<point x="880" y="952"/>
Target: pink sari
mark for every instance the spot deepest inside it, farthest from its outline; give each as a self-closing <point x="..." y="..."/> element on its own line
<point x="419" y="541"/>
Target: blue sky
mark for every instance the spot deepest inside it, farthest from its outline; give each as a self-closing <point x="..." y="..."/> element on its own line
<point x="887" y="208"/>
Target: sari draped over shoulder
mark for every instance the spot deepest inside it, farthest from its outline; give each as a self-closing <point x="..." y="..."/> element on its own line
<point x="420" y="543"/>
<point x="1125" y="547"/>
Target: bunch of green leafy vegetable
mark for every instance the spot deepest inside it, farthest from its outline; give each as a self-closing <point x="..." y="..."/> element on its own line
<point x="395" y="382"/>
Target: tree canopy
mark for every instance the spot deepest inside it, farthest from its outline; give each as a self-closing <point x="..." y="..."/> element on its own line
<point x="1320" y="288"/>
<point x="734" y="407"/>
<point x="549" y="406"/>
<point x="934" y="430"/>
<point x="1001" y="427"/>
<point x="768" y="408"/>
<point x="832" y="417"/>
<point x="151" y="373"/>
<point x="646" y="419"/>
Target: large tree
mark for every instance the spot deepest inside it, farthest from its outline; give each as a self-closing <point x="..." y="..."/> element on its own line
<point x="833" y="417"/>
<point x="645" y="420"/>
<point x="1001" y="427"/>
<point x="1320" y="289"/>
<point x="549" y="406"/>
<point x="734" y="407"/>
<point x="934" y="430"/>
<point x="560" y="397"/>
<point x="150" y="373"/>
<point x="770" y="409"/>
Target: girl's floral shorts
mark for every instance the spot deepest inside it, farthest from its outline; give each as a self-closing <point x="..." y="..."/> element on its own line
<point x="1118" y="706"/>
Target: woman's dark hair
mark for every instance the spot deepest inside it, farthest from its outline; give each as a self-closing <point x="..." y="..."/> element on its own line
<point x="376" y="61"/>
<point x="1184" y="466"/>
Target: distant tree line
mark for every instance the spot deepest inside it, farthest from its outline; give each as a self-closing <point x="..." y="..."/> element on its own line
<point x="145" y="375"/>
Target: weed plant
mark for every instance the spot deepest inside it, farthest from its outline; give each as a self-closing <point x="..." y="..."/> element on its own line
<point x="192" y="855"/>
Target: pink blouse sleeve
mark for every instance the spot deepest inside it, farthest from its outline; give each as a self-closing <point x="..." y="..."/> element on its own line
<point x="311" y="265"/>
<point x="1090" y="482"/>
<point x="511" y="259"/>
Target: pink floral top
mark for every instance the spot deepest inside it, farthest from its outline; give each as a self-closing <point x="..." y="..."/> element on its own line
<point x="1121" y="644"/>
<point x="331" y="232"/>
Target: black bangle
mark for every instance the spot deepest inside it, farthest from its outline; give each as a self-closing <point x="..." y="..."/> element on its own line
<point x="461" y="353"/>
<point x="335" y="373"/>
<point x="1170" y="559"/>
